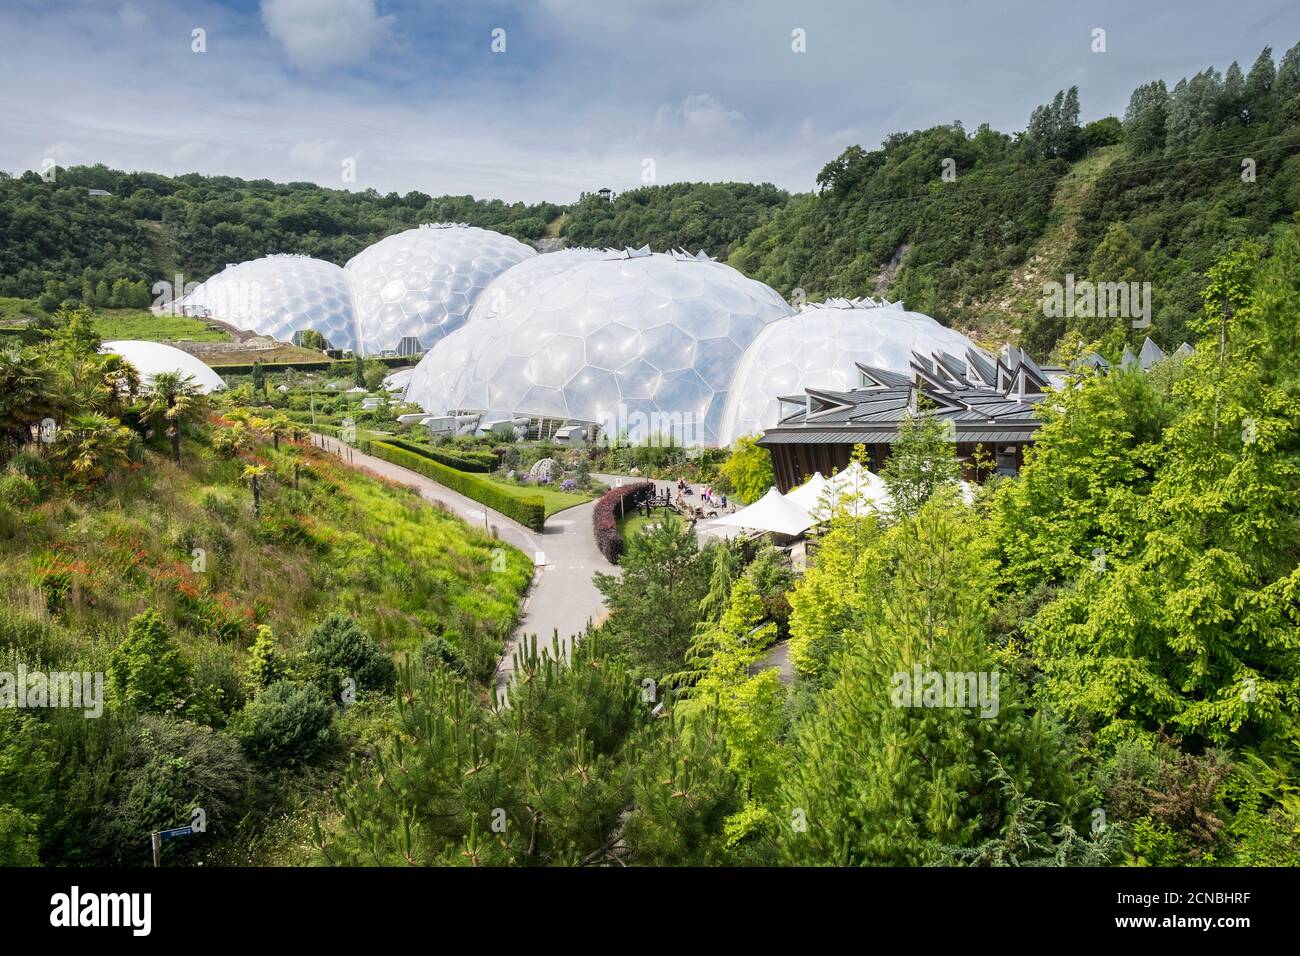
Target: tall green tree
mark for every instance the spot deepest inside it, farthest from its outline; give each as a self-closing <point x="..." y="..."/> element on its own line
<point x="876" y="780"/>
<point x="922" y="461"/>
<point x="173" y="400"/>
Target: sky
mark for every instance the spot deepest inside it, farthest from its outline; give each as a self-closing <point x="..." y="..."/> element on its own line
<point x="543" y="99"/>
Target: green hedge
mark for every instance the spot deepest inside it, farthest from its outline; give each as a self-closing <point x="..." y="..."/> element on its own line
<point x="472" y="461"/>
<point x="530" y="511"/>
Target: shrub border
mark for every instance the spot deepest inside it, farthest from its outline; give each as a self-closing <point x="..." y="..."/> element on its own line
<point x="604" y="521"/>
<point x="529" y="511"/>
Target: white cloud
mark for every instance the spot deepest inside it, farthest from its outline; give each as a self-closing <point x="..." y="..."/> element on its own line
<point x="311" y="152"/>
<point x="317" y="34"/>
<point x="698" y="114"/>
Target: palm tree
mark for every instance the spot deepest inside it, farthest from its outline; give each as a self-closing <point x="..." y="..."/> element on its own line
<point x="104" y="383"/>
<point x="279" y="426"/>
<point x="254" y="472"/>
<point x="28" y="393"/>
<point x="92" y="445"/>
<point x="175" y="399"/>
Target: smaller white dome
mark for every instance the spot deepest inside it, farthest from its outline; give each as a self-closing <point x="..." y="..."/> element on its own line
<point x="280" y="296"/>
<point x="821" y="347"/>
<point x="153" y="358"/>
<point x="416" y="287"/>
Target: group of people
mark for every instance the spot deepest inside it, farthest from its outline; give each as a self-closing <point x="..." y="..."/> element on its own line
<point x="709" y="498"/>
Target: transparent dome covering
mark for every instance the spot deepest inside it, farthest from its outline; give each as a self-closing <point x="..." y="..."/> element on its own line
<point x="820" y="347"/>
<point x="519" y="280"/>
<point x="416" y="287"/>
<point x="644" y="344"/>
<point x="153" y="358"/>
<point x="280" y="296"/>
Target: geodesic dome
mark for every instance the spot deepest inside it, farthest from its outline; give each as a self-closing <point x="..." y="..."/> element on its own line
<point x="644" y="344"/>
<point x="418" y="286"/>
<point x="152" y="358"/>
<point x="517" y="282"/>
<point x="820" y="347"/>
<point x="280" y="296"/>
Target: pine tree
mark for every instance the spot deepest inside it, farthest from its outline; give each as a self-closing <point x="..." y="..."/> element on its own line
<point x="1192" y="628"/>
<point x="147" y="670"/>
<point x="1287" y="82"/>
<point x="876" y="780"/>
<point x="266" y="664"/>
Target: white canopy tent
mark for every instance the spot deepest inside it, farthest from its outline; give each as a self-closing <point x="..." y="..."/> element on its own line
<point x="807" y="495"/>
<point x="773" y="512"/>
<point x="855" y="489"/>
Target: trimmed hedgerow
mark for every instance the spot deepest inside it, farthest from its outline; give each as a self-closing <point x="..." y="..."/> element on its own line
<point x="529" y="511"/>
<point x="612" y="505"/>
<point x="478" y="462"/>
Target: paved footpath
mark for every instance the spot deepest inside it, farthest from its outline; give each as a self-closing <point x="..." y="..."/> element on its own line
<point x="563" y="598"/>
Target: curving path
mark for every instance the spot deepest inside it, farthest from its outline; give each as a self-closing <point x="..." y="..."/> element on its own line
<point x="563" y="599"/>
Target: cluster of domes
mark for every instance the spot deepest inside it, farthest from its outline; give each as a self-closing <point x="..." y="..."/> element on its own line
<point x="646" y="345"/>
<point x="400" y="295"/>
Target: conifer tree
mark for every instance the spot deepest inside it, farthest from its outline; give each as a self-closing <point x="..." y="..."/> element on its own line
<point x="876" y="779"/>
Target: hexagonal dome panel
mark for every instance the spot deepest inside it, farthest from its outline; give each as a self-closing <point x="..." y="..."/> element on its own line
<point x="280" y="296"/>
<point x="520" y="279"/>
<point x="641" y="343"/>
<point x="415" y="288"/>
<point x="820" y="347"/>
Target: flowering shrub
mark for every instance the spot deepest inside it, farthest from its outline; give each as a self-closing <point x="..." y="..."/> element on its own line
<point x="568" y="484"/>
<point x="612" y="505"/>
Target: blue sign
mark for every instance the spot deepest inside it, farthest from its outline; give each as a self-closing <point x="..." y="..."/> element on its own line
<point x="174" y="833"/>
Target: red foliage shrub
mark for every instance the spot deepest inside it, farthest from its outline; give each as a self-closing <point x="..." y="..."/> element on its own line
<point x="612" y="505"/>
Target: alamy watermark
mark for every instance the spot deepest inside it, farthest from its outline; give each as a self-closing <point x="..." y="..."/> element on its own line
<point x="956" y="689"/>
<point x="652" y="428"/>
<point x="1116" y="300"/>
<point x="25" y="689"/>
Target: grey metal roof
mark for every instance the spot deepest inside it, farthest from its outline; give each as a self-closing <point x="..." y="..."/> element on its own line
<point x="873" y="413"/>
<point x="1150" y="354"/>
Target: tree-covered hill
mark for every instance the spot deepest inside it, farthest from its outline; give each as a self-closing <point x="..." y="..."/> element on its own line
<point x="714" y="217"/>
<point x="153" y="226"/>
<point x="1174" y="197"/>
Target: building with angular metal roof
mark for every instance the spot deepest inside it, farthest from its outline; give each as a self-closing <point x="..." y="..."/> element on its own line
<point x="989" y="404"/>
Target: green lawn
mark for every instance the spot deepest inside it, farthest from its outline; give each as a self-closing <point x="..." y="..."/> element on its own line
<point x="636" y="522"/>
<point x="553" y="500"/>
<point x="114" y="324"/>
<point x="15" y="312"/>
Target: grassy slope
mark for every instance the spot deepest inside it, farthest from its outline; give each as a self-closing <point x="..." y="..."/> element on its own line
<point x="345" y="541"/>
<point x="1002" y="313"/>
<point x="122" y="323"/>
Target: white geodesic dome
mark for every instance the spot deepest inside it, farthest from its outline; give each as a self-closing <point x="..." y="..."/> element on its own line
<point x="280" y="296"/>
<point x="644" y="344"/>
<point x="820" y="347"/>
<point x="153" y="358"/>
<point x="416" y="287"/>
<point x="517" y="282"/>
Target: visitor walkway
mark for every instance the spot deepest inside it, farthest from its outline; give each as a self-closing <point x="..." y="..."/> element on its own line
<point x="562" y="599"/>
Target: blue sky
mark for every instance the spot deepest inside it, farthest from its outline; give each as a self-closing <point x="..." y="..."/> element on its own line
<point x="585" y="92"/>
